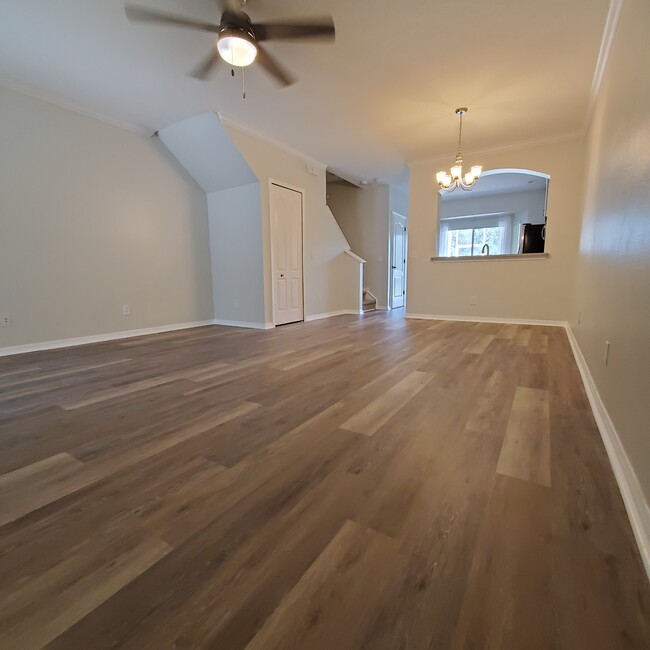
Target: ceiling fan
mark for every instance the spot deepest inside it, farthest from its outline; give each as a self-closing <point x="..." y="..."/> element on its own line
<point x="239" y="40"/>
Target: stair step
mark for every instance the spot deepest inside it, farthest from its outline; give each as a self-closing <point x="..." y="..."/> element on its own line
<point x="369" y="302"/>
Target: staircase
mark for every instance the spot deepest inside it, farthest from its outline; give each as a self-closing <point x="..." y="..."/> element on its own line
<point x="369" y="301"/>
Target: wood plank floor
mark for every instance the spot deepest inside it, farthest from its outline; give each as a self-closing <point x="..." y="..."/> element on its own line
<point x="357" y="482"/>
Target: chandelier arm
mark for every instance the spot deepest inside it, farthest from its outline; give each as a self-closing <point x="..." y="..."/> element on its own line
<point x="466" y="186"/>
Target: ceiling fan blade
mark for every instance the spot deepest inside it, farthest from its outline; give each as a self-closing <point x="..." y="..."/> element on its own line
<point x="205" y="67"/>
<point x="273" y="67"/>
<point x="321" y="28"/>
<point x="144" y="14"/>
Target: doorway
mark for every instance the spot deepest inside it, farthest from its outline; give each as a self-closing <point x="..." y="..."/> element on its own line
<point x="287" y="258"/>
<point x="398" y="234"/>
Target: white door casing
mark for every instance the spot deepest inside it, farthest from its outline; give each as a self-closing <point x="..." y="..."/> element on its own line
<point x="286" y="238"/>
<point x="398" y="261"/>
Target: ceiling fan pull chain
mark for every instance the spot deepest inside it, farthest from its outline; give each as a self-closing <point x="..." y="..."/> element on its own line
<point x="243" y="83"/>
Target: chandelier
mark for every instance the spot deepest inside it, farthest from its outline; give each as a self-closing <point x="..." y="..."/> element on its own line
<point x="455" y="179"/>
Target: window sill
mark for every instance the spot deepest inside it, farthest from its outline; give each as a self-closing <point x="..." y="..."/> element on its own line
<point x="493" y="258"/>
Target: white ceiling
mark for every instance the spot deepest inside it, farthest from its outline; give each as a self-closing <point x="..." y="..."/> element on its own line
<point x="202" y="145"/>
<point x="381" y="96"/>
<point x="499" y="183"/>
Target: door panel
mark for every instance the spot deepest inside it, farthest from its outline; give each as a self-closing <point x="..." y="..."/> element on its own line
<point x="398" y="290"/>
<point x="296" y="293"/>
<point x="281" y="295"/>
<point x="398" y="261"/>
<point x="286" y="225"/>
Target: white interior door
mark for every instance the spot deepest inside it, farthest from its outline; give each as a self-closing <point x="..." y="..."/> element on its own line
<point x="286" y="224"/>
<point x="398" y="261"/>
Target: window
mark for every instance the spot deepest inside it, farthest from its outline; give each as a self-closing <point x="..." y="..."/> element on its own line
<point x="467" y="236"/>
<point x="504" y="214"/>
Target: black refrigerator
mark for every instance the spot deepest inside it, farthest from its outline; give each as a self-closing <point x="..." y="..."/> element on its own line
<point x="531" y="237"/>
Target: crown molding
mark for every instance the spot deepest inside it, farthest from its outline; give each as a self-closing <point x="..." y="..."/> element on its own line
<point x="238" y="126"/>
<point x="523" y="144"/>
<point x="62" y="102"/>
<point x="611" y="23"/>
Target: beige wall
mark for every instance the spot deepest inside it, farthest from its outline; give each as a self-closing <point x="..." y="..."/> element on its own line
<point x="236" y="254"/>
<point x="399" y="200"/>
<point x="91" y="217"/>
<point x="363" y="215"/>
<point x="613" y="284"/>
<point x="324" y="263"/>
<point x="352" y="282"/>
<point x="519" y="289"/>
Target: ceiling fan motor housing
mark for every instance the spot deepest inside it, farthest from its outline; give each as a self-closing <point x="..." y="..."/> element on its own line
<point x="237" y="22"/>
<point x="236" y="39"/>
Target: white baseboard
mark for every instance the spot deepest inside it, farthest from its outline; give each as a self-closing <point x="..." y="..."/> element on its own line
<point x="633" y="498"/>
<point x="98" y="338"/>
<point x="484" y="319"/>
<point x="329" y="314"/>
<point x="245" y="324"/>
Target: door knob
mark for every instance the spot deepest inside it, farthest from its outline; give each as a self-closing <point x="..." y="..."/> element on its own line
<point x="281" y="275"/>
<point x="394" y="267"/>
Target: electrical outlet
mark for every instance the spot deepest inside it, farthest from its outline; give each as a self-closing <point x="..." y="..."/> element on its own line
<point x="473" y="300"/>
<point x="126" y="310"/>
<point x="5" y="320"/>
<point x="607" y="346"/>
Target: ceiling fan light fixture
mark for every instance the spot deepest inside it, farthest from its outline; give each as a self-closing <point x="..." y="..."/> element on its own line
<point x="236" y="47"/>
